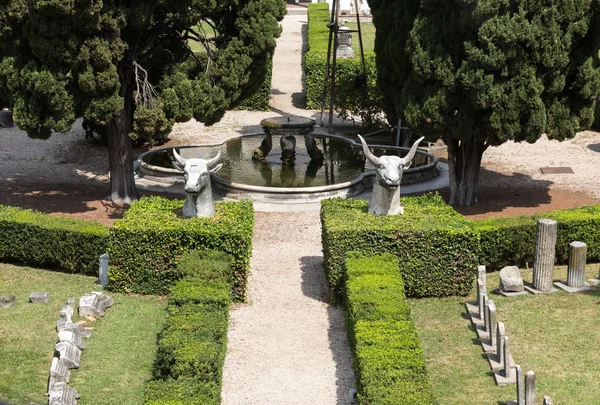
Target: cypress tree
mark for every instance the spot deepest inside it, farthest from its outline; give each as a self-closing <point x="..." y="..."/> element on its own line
<point x="125" y="66"/>
<point x="477" y="73"/>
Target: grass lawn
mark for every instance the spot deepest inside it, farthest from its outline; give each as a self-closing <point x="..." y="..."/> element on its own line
<point x="119" y="356"/>
<point x="555" y="335"/>
<point x="368" y="36"/>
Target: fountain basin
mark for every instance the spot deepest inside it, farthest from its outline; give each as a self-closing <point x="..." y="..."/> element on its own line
<point x="341" y="173"/>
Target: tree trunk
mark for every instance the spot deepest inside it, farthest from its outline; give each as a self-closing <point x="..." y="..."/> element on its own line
<point x="122" y="182"/>
<point x="464" y="163"/>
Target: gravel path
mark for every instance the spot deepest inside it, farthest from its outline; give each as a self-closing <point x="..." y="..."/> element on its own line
<point x="286" y="344"/>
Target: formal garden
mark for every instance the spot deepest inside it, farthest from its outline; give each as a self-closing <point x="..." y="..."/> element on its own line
<point x="179" y="293"/>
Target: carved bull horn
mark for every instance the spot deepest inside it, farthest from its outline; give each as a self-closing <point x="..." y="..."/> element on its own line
<point x="372" y="158"/>
<point x="213" y="162"/>
<point x="178" y="158"/>
<point x="411" y="154"/>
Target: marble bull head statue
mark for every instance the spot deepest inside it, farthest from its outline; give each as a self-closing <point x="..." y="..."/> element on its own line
<point x="198" y="190"/>
<point x="386" y="188"/>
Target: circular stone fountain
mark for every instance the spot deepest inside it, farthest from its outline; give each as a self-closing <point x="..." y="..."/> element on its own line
<point x="340" y="172"/>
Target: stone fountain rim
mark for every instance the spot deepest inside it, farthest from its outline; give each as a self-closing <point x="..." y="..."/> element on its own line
<point x="284" y="190"/>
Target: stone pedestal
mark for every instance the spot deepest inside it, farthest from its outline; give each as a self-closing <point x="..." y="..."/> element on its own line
<point x="543" y="261"/>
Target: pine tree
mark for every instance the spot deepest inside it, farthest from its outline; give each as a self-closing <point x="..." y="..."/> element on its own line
<point x="126" y="67"/>
<point x="477" y="73"/>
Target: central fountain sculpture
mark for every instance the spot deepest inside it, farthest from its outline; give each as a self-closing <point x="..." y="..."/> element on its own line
<point x="198" y="191"/>
<point x="288" y="127"/>
<point x="386" y="189"/>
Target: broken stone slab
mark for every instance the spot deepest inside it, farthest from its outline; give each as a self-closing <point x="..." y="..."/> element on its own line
<point x="58" y="373"/>
<point x="78" y="329"/>
<point x="7" y="301"/>
<point x="106" y="300"/>
<point x="71" y="337"/>
<point x="69" y="353"/>
<point x="39" y="297"/>
<point x="511" y="280"/>
<point x="66" y="314"/>
<point x="62" y="394"/>
<point x="90" y="305"/>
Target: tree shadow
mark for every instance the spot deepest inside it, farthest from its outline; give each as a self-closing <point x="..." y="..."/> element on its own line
<point x="314" y="285"/>
<point x="594" y="147"/>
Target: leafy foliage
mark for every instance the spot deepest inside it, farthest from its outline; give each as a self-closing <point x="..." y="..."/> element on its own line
<point x="350" y="93"/>
<point x="434" y="244"/>
<point x="39" y="239"/>
<point x="479" y="73"/>
<point x="389" y="361"/>
<point x="192" y="347"/>
<point x="145" y="246"/>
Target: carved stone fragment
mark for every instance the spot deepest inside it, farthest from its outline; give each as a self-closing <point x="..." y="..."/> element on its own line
<point x="106" y="300"/>
<point x="66" y="314"/>
<point x="90" y="305"/>
<point x="71" y="337"/>
<point x="7" y="301"/>
<point x="69" y="354"/>
<point x="77" y="329"/>
<point x="62" y="394"/>
<point x="39" y="297"/>
<point x="58" y="373"/>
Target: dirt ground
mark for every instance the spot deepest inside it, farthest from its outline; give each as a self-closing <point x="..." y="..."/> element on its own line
<point x="67" y="174"/>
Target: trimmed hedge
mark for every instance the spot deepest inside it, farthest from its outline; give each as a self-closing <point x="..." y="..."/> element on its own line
<point x="389" y="361"/>
<point x="145" y="246"/>
<point x="40" y="239"/>
<point x="192" y="347"/>
<point x="511" y="241"/>
<point x="436" y="246"/>
<point x="350" y="98"/>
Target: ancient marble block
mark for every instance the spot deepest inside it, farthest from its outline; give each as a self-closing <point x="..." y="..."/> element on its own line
<point x="66" y="314"/>
<point x="7" y="301"/>
<point x="511" y="280"/>
<point x="62" y="394"/>
<point x="106" y="300"/>
<point x="69" y="354"/>
<point x="90" y="305"/>
<point x="71" y="337"/>
<point x="58" y="373"/>
<point x="77" y="329"/>
<point x="39" y="297"/>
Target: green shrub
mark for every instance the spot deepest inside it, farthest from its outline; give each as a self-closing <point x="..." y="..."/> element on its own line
<point x="192" y="347"/>
<point x="146" y="244"/>
<point x="182" y="392"/>
<point x="39" y="239"/>
<point x="511" y="241"/>
<point x="389" y="362"/>
<point x="350" y="98"/>
<point x="260" y="100"/>
<point x="436" y="247"/>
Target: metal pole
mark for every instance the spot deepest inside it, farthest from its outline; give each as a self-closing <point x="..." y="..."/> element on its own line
<point x="326" y="79"/>
<point x="333" y="71"/>
<point x="360" y="41"/>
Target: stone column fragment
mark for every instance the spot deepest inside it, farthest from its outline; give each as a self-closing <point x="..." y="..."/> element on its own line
<point x="492" y="319"/>
<point x="545" y="249"/>
<point x="520" y="386"/>
<point x="506" y="370"/>
<point x="500" y="333"/>
<point x="576" y="269"/>
<point x="530" y="388"/>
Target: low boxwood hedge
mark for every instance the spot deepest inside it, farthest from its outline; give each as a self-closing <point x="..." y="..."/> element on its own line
<point x="192" y="347"/>
<point x="146" y="244"/>
<point x="436" y="246"/>
<point x="40" y="239"/>
<point x="511" y="241"/>
<point x="389" y="362"/>
<point x="350" y="98"/>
